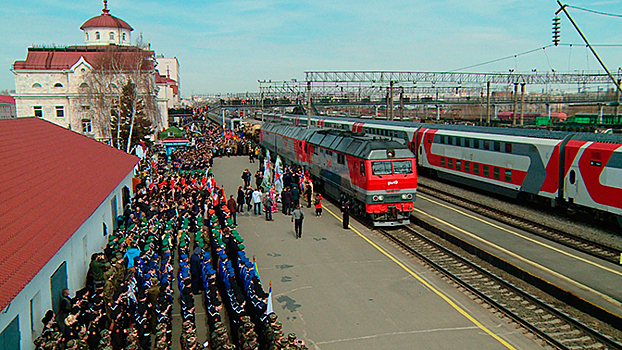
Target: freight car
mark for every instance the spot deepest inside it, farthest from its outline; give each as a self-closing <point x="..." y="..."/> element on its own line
<point x="377" y="176"/>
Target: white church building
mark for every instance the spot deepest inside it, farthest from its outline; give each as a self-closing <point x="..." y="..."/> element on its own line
<point x="51" y="83"/>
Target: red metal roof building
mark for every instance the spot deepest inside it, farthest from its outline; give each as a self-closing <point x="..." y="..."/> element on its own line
<point x="7" y="107"/>
<point x="55" y="184"/>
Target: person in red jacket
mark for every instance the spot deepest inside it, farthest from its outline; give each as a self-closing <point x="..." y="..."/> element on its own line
<point x="318" y="205"/>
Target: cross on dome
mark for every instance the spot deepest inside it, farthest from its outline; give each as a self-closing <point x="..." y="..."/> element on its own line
<point x="105" y="10"/>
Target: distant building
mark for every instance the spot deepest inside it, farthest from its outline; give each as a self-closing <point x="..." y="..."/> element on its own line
<point x="53" y="84"/>
<point x="7" y="107"/>
<point x="61" y="193"/>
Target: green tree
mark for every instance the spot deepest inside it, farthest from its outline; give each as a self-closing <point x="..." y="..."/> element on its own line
<point x="130" y="117"/>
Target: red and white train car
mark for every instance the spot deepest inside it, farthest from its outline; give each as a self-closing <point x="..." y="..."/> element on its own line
<point x="577" y="170"/>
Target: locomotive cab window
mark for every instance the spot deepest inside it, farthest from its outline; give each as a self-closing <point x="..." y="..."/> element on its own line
<point x="402" y="167"/>
<point x="381" y="168"/>
<point x="362" y="169"/>
<point x="341" y="159"/>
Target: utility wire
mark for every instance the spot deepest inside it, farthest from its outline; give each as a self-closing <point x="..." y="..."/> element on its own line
<point x="528" y="52"/>
<point x="502" y="58"/>
<point x="594" y="11"/>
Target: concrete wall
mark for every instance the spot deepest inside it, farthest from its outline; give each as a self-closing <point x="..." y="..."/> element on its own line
<point x="76" y="252"/>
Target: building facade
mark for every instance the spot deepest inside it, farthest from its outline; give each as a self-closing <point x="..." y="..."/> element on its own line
<point x="50" y="227"/>
<point x="78" y="87"/>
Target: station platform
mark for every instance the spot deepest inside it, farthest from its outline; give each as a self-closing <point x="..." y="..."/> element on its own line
<point x="590" y="278"/>
<point x="350" y="289"/>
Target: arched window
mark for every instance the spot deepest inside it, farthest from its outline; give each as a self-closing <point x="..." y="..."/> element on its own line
<point x="84" y="86"/>
<point x="96" y="35"/>
<point x="111" y="35"/>
<point x="87" y="36"/>
<point x="58" y="85"/>
<point x="124" y="37"/>
<point x="36" y="85"/>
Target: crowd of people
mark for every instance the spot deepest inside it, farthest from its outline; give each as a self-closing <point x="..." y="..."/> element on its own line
<point x="176" y="242"/>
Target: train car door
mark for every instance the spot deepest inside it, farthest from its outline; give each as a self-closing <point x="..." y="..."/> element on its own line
<point x="571" y="185"/>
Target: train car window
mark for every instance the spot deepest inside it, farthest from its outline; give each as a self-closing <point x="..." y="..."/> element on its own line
<point x="362" y="169"/>
<point x="459" y="141"/>
<point x="452" y="140"/>
<point x="475" y="168"/>
<point x="381" y="168"/>
<point x="508" y="175"/>
<point x="497" y="146"/>
<point x="487" y="145"/>
<point x="421" y="150"/>
<point x="573" y="177"/>
<point x="467" y="167"/>
<point x="486" y="171"/>
<point x="402" y="167"/>
<point x="443" y="139"/>
<point x="496" y="173"/>
<point x="508" y="148"/>
<point x="458" y="165"/>
<point x="450" y="163"/>
<point x="476" y="143"/>
<point x="442" y="161"/>
<point x="341" y="159"/>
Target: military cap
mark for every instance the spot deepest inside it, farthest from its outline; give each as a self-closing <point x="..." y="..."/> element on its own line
<point x="71" y="343"/>
<point x="277" y="326"/>
<point x="248" y="326"/>
<point x="272" y="317"/>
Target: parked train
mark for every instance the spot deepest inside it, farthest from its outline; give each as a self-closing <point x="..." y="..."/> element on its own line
<point x="378" y="176"/>
<point x="576" y="170"/>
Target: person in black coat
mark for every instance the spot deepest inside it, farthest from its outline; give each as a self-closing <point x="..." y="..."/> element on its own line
<point x="286" y="197"/>
<point x="196" y="271"/>
<point x="241" y="198"/>
<point x="345" y="210"/>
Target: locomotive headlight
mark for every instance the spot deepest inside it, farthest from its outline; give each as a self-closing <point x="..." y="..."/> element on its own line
<point x="407" y="196"/>
<point x="380" y="198"/>
<point x="375" y="198"/>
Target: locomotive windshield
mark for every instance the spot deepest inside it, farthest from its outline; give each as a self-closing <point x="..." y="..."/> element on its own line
<point x="381" y="168"/>
<point x="399" y="167"/>
<point x="402" y="167"/>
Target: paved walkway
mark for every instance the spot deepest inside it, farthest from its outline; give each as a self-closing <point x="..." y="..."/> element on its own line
<point x="349" y="289"/>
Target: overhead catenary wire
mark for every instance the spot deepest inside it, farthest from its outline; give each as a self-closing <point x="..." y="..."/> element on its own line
<point x="594" y="11"/>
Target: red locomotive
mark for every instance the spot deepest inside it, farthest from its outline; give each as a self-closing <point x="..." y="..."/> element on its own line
<point x="377" y="175"/>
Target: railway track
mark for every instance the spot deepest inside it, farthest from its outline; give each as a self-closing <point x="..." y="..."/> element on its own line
<point x="549" y="324"/>
<point x="587" y="246"/>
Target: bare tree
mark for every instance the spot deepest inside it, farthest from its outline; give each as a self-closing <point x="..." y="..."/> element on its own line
<point x="114" y="68"/>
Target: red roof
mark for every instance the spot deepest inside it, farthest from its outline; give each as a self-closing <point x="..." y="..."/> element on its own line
<point x="106" y="20"/>
<point x="52" y="180"/>
<point x="66" y="57"/>
<point x="7" y="99"/>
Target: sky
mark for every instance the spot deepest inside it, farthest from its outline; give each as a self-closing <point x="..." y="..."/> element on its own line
<point x="226" y="46"/>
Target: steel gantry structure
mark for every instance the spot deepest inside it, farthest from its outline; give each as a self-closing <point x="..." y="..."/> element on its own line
<point x="362" y="87"/>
